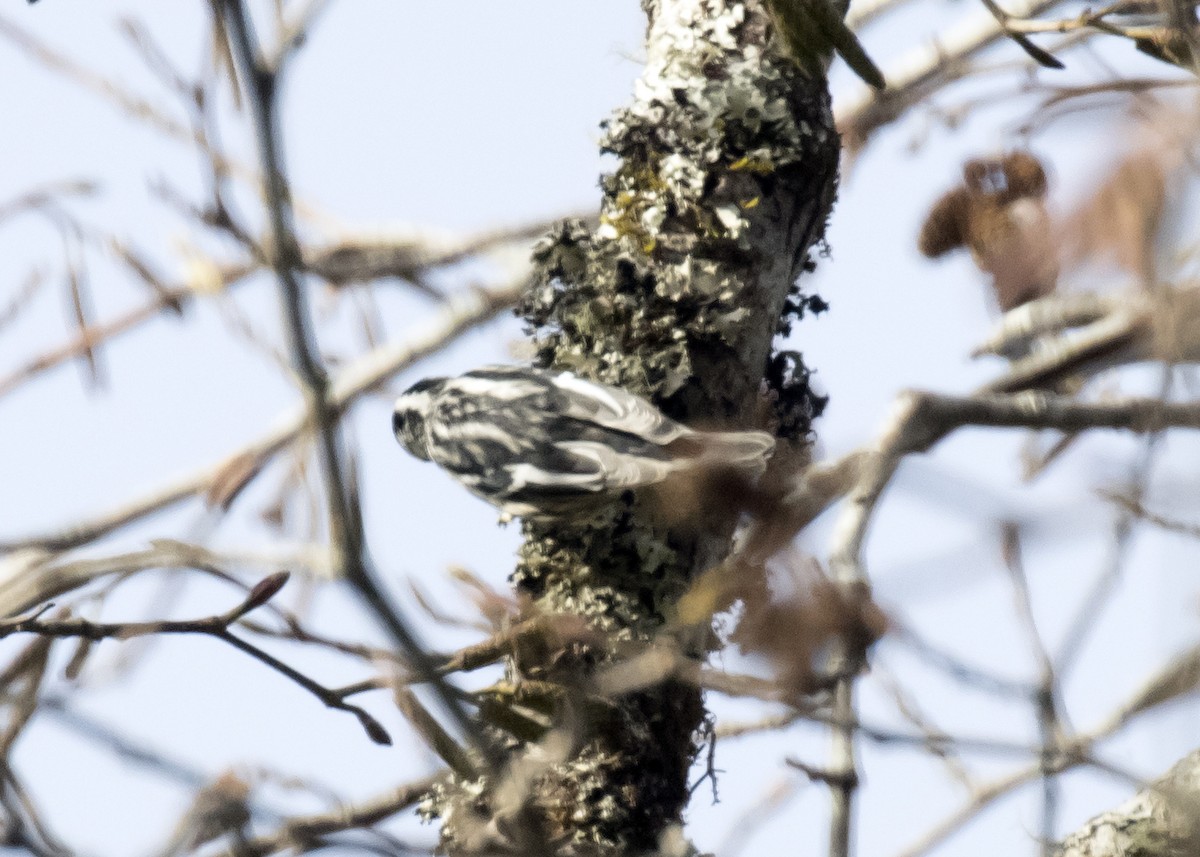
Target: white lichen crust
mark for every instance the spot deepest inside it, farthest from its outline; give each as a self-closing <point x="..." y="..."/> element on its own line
<point x="1161" y="821"/>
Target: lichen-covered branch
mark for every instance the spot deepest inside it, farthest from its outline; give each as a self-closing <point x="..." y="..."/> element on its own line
<point x="726" y="171"/>
<point x="1161" y="821"/>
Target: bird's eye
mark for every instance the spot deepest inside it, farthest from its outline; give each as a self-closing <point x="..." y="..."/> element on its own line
<point x="397" y="422"/>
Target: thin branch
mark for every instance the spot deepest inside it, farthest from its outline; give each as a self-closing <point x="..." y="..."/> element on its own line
<point x="302" y="832"/>
<point x="1045" y="699"/>
<point x="24" y="825"/>
<point x="1138" y="510"/>
<point x="45" y="196"/>
<point x="912" y="76"/>
<point x="462" y="313"/>
<point x="168" y="299"/>
<point x="120" y="745"/>
<point x="31" y="576"/>
<point x="843" y="774"/>
<point x="294" y="32"/>
<point x="953" y="666"/>
<point x="1179" y="676"/>
<point x="214" y="626"/>
<point x="345" y="515"/>
<point x="921" y="420"/>
<point x="24" y="295"/>
<point x="1106" y="582"/>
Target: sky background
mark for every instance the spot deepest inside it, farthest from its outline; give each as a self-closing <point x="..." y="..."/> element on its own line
<point x="461" y="116"/>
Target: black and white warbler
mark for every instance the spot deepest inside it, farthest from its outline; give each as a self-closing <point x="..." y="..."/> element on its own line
<point x="546" y="444"/>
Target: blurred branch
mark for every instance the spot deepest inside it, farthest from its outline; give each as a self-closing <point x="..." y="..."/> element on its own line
<point x="217" y="626"/>
<point x="952" y="665"/>
<point x="21" y="681"/>
<point x="23" y="825"/>
<point x="462" y="312"/>
<point x="1135" y="508"/>
<point x="1158" y="822"/>
<point x="128" y="103"/>
<point x="345" y="513"/>
<point x="410" y="257"/>
<point x="294" y="32"/>
<point x="121" y="746"/>
<point x="21" y="299"/>
<point x="1046" y="697"/>
<point x="47" y="195"/>
<point x="909" y="707"/>
<point x="353" y="259"/>
<point x="1104" y="588"/>
<point x="304" y="833"/>
<point x="1176" y="678"/>
<point x="30" y="576"/>
<point x="171" y="298"/>
<point x="921" y="420"/>
<point x="131" y="105"/>
<point x="980" y="800"/>
<point x="914" y="76"/>
<point x="864" y="12"/>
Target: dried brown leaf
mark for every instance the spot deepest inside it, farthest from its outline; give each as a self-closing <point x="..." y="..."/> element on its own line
<point x="999" y="213"/>
<point x="1121" y="218"/>
<point x="795" y="632"/>
<point x="74" y="667"/>
<point x="499" y="609"/>
<point x="1178" y="678"/>
<point x="231" y="479"/>
<point x="217" y="809"/>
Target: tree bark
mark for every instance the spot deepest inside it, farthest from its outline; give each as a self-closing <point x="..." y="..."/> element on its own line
<point x="1161" y="821"/>
<point x="726" y="172"/>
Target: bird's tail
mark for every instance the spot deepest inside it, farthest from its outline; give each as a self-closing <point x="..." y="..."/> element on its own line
<point x="744" y="451"/>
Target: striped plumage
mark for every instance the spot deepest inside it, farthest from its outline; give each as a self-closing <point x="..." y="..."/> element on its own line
<point x="544" y="444"/>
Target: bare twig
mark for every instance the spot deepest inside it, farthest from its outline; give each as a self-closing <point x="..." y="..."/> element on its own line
<point x="31" y="576"/>
<point x="170" y="298"/>
<point x="1105" y="585"/>
<point x="1138" y="510"/>
<point x="121" y="745"/>
<point x="304" y="832"/>
<point x="462" y="313"/>
<point x="24" y="826"/>
<point x="921" y="420"/>
<point x="1178" y="676"/>
<point x="47" y="195"/>
<point x="1045" y="699"/>
<point x="409" y="256"/>
<point x="323" y="412"/>
<point x="912" y="77"/>
<point x="217" y="626"/>
<point x="954" y="666"/>
<point x="25" y="293"/>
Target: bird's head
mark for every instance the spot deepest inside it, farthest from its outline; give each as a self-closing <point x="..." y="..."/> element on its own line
<point x="411" y="414"/>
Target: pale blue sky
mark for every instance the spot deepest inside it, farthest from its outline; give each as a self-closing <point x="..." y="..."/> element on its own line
<point x="461" y="116"/>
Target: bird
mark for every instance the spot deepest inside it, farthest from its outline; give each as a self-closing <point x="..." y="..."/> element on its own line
<point x="542" y="444"/>
<point x="811" y="30"/>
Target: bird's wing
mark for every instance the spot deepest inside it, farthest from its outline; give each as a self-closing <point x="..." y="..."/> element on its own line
<point x="564" y="394"/>
<point x="615" y="471"/>
<point x="503" y="383"/>
<point x="616" y="409"/>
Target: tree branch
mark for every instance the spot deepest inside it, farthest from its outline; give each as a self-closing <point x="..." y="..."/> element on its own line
<point x="345" y="515"/>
